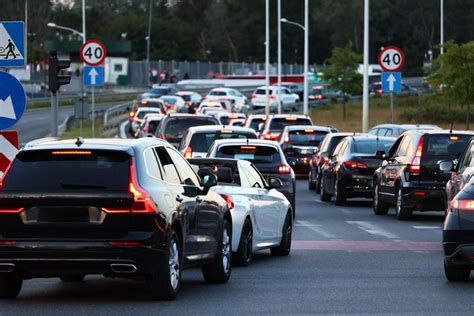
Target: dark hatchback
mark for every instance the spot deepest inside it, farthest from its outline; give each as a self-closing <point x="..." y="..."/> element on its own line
<point x="174" y="125"/>
<point x="350" y="168"/>
<point x="300" y="144"/>
<point x="409" y="177"/>
<point x="458" y="236"/>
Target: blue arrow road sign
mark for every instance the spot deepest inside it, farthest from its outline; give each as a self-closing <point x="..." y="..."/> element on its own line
<point x="93" y="76"/>
<point x="12" y="44"/>
<point x="12" y="100"/>
<point x="391" y="81"/>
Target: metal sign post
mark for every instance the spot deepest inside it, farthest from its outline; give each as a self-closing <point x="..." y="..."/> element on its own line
<point x="54" y="114"/>
<point x="93" y="112"/>
<point x="391" y="107"/>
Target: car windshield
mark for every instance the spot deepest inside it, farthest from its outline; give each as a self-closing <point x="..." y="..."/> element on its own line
<point x="201" y="142"/>
<point x="278" y="124"/>
<point x="254" y="154"/>
<point x="256" y="122"/>
<point x="371" y="146"/>
<point x="175" y="128"/>
<point x="68" y="170"/>
<point x="170" y="100"/>
<point x="141" y="114"/>
<point x="186" y="97"/>
<point x="306" y="138"/>
<point x="446" y="145"/>
<point x="161" y="91"/>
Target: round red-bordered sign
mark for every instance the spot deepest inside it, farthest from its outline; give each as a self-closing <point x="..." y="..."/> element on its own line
<point x="391" y="58"/>
<point x="93" y="53"/>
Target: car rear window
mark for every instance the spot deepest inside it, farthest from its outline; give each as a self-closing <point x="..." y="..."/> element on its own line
<point x="445" y="145"/>
<point x="218" y="93"/>
<point x="201" y="142"/>
<point x="262" y="91"/>
<point x="306" y="137"/>
<point x="255" y="154"/>
<point x="255" y="123"/>
<point x="175" y="128"/>
<point x="278" y="124"/>
<point x="68" y="170"/>
<point x="371" y="146"/>
<point x="141" y="114"/>
<point x="333" y="142"/>
<point x="170" y="100"/>
<point x="186" y="97"/>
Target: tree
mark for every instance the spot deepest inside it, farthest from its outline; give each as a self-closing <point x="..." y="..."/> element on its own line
<point x="454" y="72"/>
<point x="343" y="75"/>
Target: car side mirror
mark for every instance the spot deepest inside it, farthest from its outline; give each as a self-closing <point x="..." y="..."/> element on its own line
<point x="446" y="166"/>
<point x="260" y="127"/>
<point x="209" y="180"/>
<point x="380" y="154"/>
<point x="274" y="183"/>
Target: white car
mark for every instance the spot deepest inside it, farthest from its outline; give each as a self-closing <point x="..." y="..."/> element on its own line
<point x="174" y="104"/>
<point x="261" y="216"/>
<point x="197" y="140"/>
<point x="237" y="122"/>
<point x="288" y="99"/>
<point x="227" y="118"/>
<point x="235" y="97"/>
<point x="139" y="115"/>
<point x="149" y="124"/>
<point x="209" y="105"/>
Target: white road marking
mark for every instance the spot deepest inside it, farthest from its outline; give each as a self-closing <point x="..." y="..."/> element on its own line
<point x="426" y="227"/>
<point x="123" y="133"/>
<point x="372" y="229"/>
<point x="7" y="148"/>
<point x="315" y="228"/>
<point x="344" y="210"/>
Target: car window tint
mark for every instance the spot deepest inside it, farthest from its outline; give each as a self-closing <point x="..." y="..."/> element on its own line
<point x="185" y="171"/>
<point x="175" y="128"/>
<point x="151" y="164"/>
<point x="201" y="142"/>
<point x="371" y="146"/>
<point x="445" y="145"/>
<point x="374" y="131"/>
<point x="170" y="174"/>
<point x="255" y="154"/>
<point x="389" y="132"/>
<point x="403" y="148"/>
<point x="278" y="124"/>
<point x="253" y="179"/>
<point x="306" y="137"/>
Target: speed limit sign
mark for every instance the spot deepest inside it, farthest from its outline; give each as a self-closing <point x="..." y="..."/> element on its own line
<point x="93" y="53"/>
<point x="391" y="58"/>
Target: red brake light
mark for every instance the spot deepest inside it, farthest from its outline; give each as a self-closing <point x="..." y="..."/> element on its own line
<point x="2" y="178"/>
<point x="188" y="153"/>
<point x="161" y="136"/>
<point x="414" y="167"/>
<point x="463" y="204"/>
<point x="126" y="243"/>
<point x="254" y="96"/>
<point x="284" y="169"/>
<point x="272" y="97"/>
<point x="132" y="114"/>
<point x="380" y="91"/>
<point x="228" y="200"/>
<point x="142" y="201"/>
<point x="14" y="210"/>
<point x="352" y="165"/>
<point x="146" y="129"/>
<point x="324" y="160"/>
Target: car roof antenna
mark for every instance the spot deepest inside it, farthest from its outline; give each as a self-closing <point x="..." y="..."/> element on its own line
<point x="79" y="142"/>
<point x="451" y="129"/>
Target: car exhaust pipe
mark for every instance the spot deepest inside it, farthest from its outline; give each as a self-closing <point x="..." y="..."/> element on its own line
<point x="123" y="268"/>
<point x="6" y="267"/>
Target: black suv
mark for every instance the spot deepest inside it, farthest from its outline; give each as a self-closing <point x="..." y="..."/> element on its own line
<point x="173" y="126"/>
<point x="118" y="208"/>
<point x="409" y="177"/>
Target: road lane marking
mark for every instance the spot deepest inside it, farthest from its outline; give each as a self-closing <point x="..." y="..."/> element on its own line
<point x="123" y="133"/>
<point x="366" y="245"/>
<point x="427" y="227"/>
<point x="315" y="228"/>
<point x="372" y="229"/>
<point x="344" y="210"/>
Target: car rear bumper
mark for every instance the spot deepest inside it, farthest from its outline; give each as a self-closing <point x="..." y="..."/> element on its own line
<point x="358" y="186"/>
<point x="462" y="255"/>
<point x="53" y="259"/>
<point x="425" y="199"/>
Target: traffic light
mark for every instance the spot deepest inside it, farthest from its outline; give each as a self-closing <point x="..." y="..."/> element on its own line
<point x="56" y="79"/>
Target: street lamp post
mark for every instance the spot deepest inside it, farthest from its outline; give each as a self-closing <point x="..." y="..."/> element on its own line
<point x="306" y="50"/>
<point x="76" y="32"/>
<point x="441" y="33"/>
<point x="279" y="56"/>
<point x="365" y="95"/>
<point x="267" y="57"/>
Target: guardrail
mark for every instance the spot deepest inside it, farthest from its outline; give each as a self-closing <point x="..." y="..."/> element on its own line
<point x="115" y="111"/>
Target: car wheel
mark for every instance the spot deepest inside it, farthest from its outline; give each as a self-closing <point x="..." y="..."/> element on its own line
<point x="311" y="185"/>
<point x="324" y="196"/>
<point x="10" y="286"/>
<point x="72" y="278"/>
<point x="219" y="270"/>
<point x="456" y="273"/>
<point x="243" y="257"/>
<point x="380" y="207"/>
<point x="318" y="179"/>
<point x="402" y="212"/>
<point x="166" y="281"/>
<point x="285" y="245"/>
<point x="339" y="197"/>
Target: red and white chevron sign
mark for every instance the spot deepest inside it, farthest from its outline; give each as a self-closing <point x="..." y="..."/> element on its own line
<point x="8" y="149"/>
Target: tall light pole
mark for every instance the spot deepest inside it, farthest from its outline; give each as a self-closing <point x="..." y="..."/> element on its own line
<point x="279" y="56"/>
<point x="26" y="33"/>
<point x="148" y="38"/>
<point x="83" y="21"/>
<point x="365" y="95"/>
<point x="441" y="33"/>
<point x="306" y="50"/>
<point x="267" y="57"/>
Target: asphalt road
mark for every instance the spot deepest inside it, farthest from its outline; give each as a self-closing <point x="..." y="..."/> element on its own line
<point x="344" y="260"/>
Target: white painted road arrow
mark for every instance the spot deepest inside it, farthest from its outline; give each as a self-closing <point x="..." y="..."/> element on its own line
<point x="391" y="82"/>
<point x="93" y="73"/>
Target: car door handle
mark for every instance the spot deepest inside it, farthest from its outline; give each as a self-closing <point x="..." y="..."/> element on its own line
<point x="179" y="199"/>
<point x="198" y="199"/>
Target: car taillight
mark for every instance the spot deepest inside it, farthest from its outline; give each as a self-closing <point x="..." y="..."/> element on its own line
<point x="324" y="160"/>
<point x="462" y="205"/>
<point x="132" y="114"/>
<point x="189" y="103"/>
<point x="161" y="136"/>
<point x="272" y="97"/>
<point x="284" y="169"/>
<point x="352" y="165"/>
<point x="414" y="167"/>
<point x="146" y="129"/>
<point x="254" y="96"/>
<point x="142" y="201"/>
<point x="379" y="91"/>
<point x="188" y="153"/>
<point x="319" y="97"/>
<point x="13" y="210"/>
<point x="229" y="201"/>
<point x="2" y="178"/>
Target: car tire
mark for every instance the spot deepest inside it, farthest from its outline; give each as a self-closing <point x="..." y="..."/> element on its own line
<point x="401" y="211"/>
<point x="311" y="184"/>
<point x="219" y="270"/>
<point x="10" y="286"/>
<point x="456" y="273"/>
<point x="72" y="278"/>
<point x="285" y="245"/>
<point x="165" y="283"/>
<point x="339" y="196"/>
<point x="380" y="207"/>
<point x="318" y="179"/>
<point x="323" y="195"/>
<point x="243" y="256"/>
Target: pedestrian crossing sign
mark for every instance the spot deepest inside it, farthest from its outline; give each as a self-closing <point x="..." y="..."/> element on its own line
<point x="12" y="44"/>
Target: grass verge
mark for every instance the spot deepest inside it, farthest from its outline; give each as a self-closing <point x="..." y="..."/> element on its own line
<point x="75" y="131"/>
